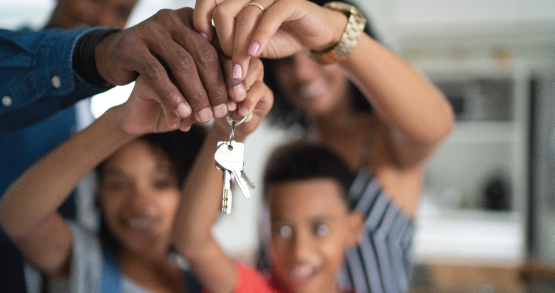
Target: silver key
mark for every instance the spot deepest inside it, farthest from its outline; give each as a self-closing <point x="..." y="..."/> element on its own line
<point x="227" y="196"/>
<point x="229" y="156"/>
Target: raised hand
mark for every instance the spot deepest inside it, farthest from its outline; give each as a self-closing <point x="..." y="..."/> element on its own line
<point x="176" y="62"/>
<point x="283" y="28"/>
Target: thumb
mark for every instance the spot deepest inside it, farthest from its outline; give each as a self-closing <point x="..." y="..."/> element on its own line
<point x="202" y="18"/>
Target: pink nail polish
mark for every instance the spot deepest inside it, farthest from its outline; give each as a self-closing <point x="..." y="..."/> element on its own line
<point x="237" y="71"/>
<point x="204" y="36"/>
<point x="253" y="49"/>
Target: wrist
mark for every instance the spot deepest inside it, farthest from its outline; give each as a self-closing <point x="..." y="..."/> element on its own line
<point x="349" y="37"/>
<point x="84" y="57"/>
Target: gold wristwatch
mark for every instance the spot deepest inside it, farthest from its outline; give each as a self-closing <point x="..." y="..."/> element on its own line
<point x="350" y="36"/>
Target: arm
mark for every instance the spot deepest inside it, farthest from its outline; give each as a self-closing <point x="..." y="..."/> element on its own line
<point x="28" y="208"/>
<point x="36" y="75"/>
<point x="161" y="48"/>
<point x="418" y="115"/>
<point x="201" y="202"/>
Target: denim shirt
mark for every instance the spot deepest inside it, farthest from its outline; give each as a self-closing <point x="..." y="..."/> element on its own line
<point x="36" y="75"/>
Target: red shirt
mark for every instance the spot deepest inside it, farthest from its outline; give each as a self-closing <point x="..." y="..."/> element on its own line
<point x="252" y="281"/>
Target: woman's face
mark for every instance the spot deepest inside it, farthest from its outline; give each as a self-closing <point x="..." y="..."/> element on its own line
<point x="313" y="88"/>
<point x="139" y="195"/>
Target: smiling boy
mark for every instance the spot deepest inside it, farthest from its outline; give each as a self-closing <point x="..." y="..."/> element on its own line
<point x="306" y="189"/>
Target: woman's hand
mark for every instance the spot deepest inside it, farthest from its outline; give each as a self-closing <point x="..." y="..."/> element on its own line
<point x="284" y="27"/>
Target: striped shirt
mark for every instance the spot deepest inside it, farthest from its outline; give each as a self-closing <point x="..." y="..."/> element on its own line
<point x="381" y="263"/>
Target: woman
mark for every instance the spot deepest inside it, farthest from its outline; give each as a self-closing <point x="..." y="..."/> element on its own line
<point x="140" y="187"/>
<point x="387" y="146"/>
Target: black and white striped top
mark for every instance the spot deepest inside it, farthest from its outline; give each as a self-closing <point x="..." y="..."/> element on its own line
<point x="381" y="263"/>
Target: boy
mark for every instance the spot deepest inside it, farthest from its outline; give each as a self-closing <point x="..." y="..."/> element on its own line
<point x="306" y="189"/>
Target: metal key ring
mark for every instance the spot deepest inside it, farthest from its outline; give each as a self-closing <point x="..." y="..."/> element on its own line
<point x="231" y="121"/>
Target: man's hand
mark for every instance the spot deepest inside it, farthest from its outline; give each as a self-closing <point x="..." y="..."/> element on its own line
<point x="179" y="64"/>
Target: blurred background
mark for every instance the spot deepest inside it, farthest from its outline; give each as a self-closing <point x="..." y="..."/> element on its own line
<point x="487" y="220"/>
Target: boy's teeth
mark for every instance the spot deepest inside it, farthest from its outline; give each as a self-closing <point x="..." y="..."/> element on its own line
<point x="302" y="271"/>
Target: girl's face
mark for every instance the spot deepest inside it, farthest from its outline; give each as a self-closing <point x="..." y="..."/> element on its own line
<point x="311" y="227"/>
<point x="139" y="195"/>
<point x="313" y="88"/>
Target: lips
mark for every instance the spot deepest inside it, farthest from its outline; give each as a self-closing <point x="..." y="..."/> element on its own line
<point x="312" y="89"/>
<point x="140" y="224"/>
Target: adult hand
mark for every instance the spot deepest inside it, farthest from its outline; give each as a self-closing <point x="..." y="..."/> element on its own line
<point x="179" y="65"/>
<point x="284" y="27"/>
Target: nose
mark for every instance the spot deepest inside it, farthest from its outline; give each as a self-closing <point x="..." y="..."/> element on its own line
<point x="304" y="68"/>
<point x="141" y="201"/>
<point x="300" y="247"/>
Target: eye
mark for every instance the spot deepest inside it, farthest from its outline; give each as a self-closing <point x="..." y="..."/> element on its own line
<point x="163" y="184"/>
<point x="285" y="231"/>
<point x="117" y="185"/>
<point x="321" y="230"/>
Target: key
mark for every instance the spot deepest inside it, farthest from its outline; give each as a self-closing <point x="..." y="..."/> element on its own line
<point x="247" y="179"/>
<point x="230" y="157"/>
<point x="226" y="192"/>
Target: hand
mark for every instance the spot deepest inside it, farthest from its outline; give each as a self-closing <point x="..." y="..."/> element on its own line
<point x="257" y="104"/>
<point x="142" y="113"/>
<point x="284" y="27"/>
<point x="166" y="48"/>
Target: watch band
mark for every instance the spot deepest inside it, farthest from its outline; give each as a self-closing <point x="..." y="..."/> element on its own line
<point x="349" y="39"/>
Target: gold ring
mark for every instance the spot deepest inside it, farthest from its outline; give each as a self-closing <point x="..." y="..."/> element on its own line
<point x="255" y="4"/>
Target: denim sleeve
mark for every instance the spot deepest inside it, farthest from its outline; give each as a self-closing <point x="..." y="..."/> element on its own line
<point x="36" y="75"/>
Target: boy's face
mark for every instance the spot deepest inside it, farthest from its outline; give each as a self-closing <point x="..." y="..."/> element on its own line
<point x="139" y="194"/>
<point x="311" y="227"/>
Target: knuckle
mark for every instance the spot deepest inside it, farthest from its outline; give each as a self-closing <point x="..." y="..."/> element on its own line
<point x="154" y="72"/>
<point x="208" y="56"/>
<point x="183" y="63"/>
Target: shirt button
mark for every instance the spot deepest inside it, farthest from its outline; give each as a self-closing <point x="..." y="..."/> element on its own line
<point x="56" y="81"/>
<point x="6" y="101"/>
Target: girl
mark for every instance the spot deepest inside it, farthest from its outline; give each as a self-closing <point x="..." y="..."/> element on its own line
<point x="139" y="190"/>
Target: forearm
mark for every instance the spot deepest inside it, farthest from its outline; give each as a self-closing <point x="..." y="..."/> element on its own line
<point x="403" y="98"/>
<point x="198" y="211"/>
<point x="199" y="208"/>
<point x="37" y="194"/>
<point x="38" y="78"/>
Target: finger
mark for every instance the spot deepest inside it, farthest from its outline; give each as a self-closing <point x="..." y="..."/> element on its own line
<point x="247" y="21"/>
<point x="224" y="21"/>
<point x="236" y="89"/>
<point x="207" y="64"/>
<point x="202" y="17"/>
<point x="254" y="99"/>
<point x="168" y="95"/>
<point x="255" y="73"/>
<point x="186" y="123"/>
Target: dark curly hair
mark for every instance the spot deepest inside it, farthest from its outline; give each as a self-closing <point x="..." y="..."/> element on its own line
<point x="305" y="161"/>
<point x="285" y="115"/>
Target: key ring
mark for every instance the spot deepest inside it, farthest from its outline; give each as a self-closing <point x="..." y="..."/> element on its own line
<point x="233" y="123"/>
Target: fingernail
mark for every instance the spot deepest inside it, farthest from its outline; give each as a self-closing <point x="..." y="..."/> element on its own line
<point x="220" y="111"/>
<point x="205" y="115"/>
<point x="253" y="49"/>
<point x="239" y="92"/>
<point x="249" y="118"/>
<point x="231" y="106"/>
<point x="184" y="110"/>
<point x="243" y="111"/>
<point x="205" y="36"/>
<point x="237" y="71"/>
